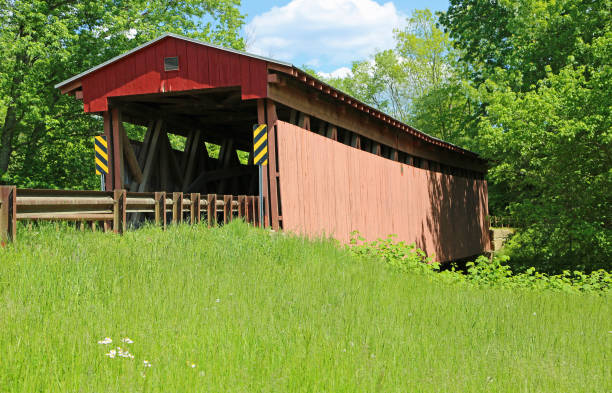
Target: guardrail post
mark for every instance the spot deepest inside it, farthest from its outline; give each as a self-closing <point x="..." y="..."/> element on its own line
<point x="177" y="207"/>
<point x="160" y="209"/>
<point x="212" y="209"/>
<point x="8" y="214"/>
<point x="227" y="208"/>
<point x="256" y="218"/>
<point x="119" y="211"/>
<point x="195" y="208"/>
<point x="241" y="205"/>
<point x="248" y="209"/>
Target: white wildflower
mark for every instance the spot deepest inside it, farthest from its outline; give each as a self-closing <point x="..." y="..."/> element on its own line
<point x="111" y="354"/>
<point x="124" y="353"/>
<point x="147" y="363"/>
<point x="193" y="365"/>
<point x="218" y="300"/>
<point x="107" y="340"/>
<point x="127" y="340"/>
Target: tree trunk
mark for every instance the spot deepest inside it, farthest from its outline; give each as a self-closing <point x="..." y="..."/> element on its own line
<point x="6" y="145"/>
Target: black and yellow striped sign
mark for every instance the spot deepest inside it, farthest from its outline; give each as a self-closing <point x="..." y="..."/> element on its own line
<point x="260" y="144"/>
<point x="101" y="148"/>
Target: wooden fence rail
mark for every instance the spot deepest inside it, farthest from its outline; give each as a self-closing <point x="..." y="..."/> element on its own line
<point x="111" y="208"/>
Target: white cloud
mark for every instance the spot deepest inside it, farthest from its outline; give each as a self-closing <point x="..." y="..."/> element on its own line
<point x="331" y="32"/>
<point x="338" y="73"/>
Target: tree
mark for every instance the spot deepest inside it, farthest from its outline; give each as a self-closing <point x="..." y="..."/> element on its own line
<point x="415" y="82"/>
<point x="44" y="136"/>
<point x="523" y="37"/>
<point x="539" y="75"/>
<point x="439" y="104"/>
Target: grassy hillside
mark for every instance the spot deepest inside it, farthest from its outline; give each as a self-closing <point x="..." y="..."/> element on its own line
<point x="234" y="309"/>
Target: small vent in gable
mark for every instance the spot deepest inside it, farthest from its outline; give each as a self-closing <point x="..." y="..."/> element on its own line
<point x="171" y="63"/>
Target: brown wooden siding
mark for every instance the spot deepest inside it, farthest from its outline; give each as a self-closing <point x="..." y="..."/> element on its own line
<point x="328" y="188"/>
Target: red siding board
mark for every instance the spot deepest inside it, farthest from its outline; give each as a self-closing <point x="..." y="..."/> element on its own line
<point x="330" y="188"/>
<point x="200" y="67"/>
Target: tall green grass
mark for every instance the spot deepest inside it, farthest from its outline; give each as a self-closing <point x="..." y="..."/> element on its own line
<point x="235" y="309"/>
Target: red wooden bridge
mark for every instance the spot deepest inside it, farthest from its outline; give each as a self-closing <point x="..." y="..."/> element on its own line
<point x="335" y="164"/>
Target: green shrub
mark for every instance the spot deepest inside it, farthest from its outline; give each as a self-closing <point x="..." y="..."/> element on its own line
<point x="482" y="272"/>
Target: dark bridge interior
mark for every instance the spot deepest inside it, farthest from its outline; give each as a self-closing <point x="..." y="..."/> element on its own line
<point x="195" y="141"/>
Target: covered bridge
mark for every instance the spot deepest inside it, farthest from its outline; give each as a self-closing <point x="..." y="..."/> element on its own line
<point x="335" y="164"/>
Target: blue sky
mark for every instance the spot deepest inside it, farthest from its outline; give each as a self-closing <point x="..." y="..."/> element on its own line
<point x="326" y="34"/>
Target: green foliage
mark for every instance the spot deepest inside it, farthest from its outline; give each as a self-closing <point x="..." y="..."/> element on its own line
<point x="416" y="82"/>
<point x="482" y="272"/>
<point x="550" y="149"/>
<point x="45" y="138"/>
<point x="257" y="311"/>
<point x="402" y="256"/>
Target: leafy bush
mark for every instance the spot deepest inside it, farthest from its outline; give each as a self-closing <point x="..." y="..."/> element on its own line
<point x="483" y="272"/>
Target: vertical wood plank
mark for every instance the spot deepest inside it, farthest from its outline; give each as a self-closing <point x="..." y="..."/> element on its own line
<point x="272" y="164"/>
<point x="108" y="133"/>
<point x="212" y="209"/>
<point x="261" y="119"/>
<point x="195" y="208"/>
<point x="177" y="207"/>
<point x="248" y="214"/>
<point x="8" y="214"/>
<point x="117" y="148"/>
<point x="227" y="208"/>
<point x="119" y="211"/>
<point x="160" y="209"/>
<point x="241" y="205"/>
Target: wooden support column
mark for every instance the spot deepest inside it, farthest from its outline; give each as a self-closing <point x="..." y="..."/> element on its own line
<point x="177" y="207"/>
<point x="108" y="133"/>
<point x="376" y="148"/>
<point x="195" y="208"/>
<point x="190" y="155"/>
<point x="248" y="213"/>
<point x="332" y="132"/>
<point x="119" y="211"/>
<point x="117" y="149"/>
<point x="256" y="217"/>
<point x="150" y="156"/>
<point x="275" y="205"/>
<point x="160" y="209"/>
<point x="355" y="140"/>
<point x="241" y="205"/>
<point x="261" y="119"/>
<point x="227" y="208"/>
<point x="304" y="121"/>
<point x="8" y="214"/>
<point x="130" y="156"/>
<point x="212" y="209"/>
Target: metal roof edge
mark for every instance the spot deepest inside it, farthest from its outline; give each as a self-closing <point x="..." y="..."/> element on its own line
<point x="166" y="35"/>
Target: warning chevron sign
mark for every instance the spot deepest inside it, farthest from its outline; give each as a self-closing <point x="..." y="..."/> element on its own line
<point x="101" y="149"/>
<point x="260" y="144"/>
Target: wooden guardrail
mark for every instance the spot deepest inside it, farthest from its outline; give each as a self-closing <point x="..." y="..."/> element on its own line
<point x="501" y="222"/>
<point x="111" y="208"/>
